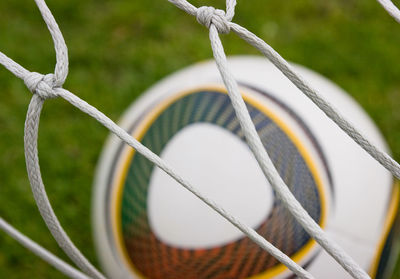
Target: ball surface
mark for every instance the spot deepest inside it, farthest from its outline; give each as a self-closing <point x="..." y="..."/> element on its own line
<point x="148" y="226"/>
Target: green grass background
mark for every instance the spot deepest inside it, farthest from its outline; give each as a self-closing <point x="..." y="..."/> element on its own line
<point x="118" y="48"/>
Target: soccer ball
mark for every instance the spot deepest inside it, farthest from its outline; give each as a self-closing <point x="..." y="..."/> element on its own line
<point x="147" y="226"/>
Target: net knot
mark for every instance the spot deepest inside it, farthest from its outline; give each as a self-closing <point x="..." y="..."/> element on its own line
<point x="42" y="85"/>
<point x="209" y="15"/>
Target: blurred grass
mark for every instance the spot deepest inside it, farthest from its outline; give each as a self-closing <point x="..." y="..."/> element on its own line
<point x="119" y="48"/>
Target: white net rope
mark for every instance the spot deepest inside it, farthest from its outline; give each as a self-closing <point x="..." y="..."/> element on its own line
<point x="218" y="21"/>
<point x="391" y="9"/>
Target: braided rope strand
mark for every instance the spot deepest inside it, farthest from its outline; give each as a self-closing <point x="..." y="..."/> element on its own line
<point x="61" y="69"/>
<point x="383" y="158"/>
<point x="39" y="192"/>
<point x="41" y="252"/>
<point x="391" y="9"/>
<point x="13" y="67"/>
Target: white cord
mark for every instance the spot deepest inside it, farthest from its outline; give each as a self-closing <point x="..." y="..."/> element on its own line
<point x="41" y="252"/>
<point x="383" y="158"/>
<point x="39" y="192"/>
<point x="391" y="9"/>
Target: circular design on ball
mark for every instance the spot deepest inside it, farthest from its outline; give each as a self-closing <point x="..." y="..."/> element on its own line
<point x="149" y="257"/>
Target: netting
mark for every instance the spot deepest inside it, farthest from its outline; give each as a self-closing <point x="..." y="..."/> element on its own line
<point x="217" y="21"/>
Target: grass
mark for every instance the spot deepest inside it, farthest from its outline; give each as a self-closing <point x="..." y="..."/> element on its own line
<point x="119" y="48"/>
